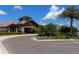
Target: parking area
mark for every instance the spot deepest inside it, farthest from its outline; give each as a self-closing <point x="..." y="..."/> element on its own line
<point x="26" y="45"/>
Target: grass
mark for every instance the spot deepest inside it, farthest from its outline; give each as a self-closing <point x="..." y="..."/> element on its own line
<point x="50" y="37"/>
<point x="9" y="33"/>
<point x="57" y="36"/>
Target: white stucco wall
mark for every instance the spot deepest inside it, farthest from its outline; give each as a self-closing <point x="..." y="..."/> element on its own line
<point x="4" y="28"/>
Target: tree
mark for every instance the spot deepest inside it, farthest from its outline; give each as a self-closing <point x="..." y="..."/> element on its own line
<point x="47" y="30"/>
<point x="66" y="30"/>
<point x="51" y="29"/>
<point x="71" y="13"/>
<point x="41" y="30"/>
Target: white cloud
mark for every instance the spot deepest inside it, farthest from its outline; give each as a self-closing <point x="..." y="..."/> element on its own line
<point x="42" y="23"/>
<point x="74" y="24"/>
<point x="18" y="7"/>
<point x="2" y="12"/>
<point x="61" y="24"/>
<point x="54" y="12"/>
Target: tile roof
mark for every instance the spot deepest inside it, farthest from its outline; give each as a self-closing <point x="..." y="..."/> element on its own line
<point x="6" y="24"/>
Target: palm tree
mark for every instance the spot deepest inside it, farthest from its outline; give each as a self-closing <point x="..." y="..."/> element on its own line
<point x="71" y="13"/>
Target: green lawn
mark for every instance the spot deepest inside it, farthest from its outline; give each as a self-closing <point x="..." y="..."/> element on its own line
<point x="9" y="33"/>
<point x="56" y="37"/>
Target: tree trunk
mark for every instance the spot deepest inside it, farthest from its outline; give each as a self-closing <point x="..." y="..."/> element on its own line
<point x="71" y="27"/>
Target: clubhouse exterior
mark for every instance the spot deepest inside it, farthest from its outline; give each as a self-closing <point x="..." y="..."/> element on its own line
<point x="25" y="25"/>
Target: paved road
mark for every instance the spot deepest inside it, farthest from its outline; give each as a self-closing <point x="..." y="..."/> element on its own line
<point x="26" y="45"/>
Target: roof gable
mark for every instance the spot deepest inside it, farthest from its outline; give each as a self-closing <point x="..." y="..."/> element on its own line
<point x="25" y="18"/>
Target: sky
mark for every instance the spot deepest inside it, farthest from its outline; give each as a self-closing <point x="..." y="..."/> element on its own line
<point x="42" y="14"/>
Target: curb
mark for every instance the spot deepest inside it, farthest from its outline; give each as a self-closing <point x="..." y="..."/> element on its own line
<point x="3" y="49"/>
<point x="54" y="39"/>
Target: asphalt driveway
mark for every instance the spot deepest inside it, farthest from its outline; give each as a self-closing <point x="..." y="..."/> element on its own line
<point x="26" y="45"/>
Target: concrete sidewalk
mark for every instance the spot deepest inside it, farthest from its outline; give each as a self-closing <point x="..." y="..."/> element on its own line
<point x="2" y="48"/>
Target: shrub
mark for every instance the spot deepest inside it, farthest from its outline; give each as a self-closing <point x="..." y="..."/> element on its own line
<point x="41" y="30"/>
<point x="47" y="30"/>
<point x="66" y="30"/>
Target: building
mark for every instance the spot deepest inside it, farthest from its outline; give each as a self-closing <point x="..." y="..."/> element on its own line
<point x="25" y="25"/>
<point x="8" y="27"/>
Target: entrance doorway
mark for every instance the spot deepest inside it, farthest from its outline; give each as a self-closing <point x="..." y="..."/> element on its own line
<point x="12" y="28"/>
<point x="28" y="30"/>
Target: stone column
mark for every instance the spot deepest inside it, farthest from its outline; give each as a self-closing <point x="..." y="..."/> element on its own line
<point x="22" y="29"/>
<point x="16" y="29"/>
<point x="8" y="29"/>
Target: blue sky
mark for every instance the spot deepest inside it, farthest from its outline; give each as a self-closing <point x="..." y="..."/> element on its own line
<point x="42" y="14"/>
<point x="13" y="13"/>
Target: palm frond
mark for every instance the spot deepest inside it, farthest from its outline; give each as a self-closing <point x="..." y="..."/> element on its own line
<point x="70" y="12"/>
